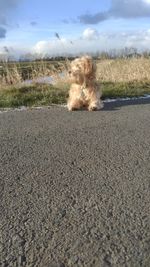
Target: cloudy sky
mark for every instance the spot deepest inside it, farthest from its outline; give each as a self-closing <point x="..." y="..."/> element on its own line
<point x="81" y="25"/>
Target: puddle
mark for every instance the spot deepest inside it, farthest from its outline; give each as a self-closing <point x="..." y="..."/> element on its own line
<point x="45" y="79"/>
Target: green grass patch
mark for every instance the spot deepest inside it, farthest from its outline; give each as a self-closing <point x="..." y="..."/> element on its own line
<point x="44" y="94"/>
<point x="35" y="95"/>
<point x="125" y="89"/>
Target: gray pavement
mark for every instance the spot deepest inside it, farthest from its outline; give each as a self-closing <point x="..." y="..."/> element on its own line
<point x="75" y="187"/>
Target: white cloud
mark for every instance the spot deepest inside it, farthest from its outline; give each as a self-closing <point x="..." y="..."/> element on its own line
<point x="90" y="34"/>
<point x="140" y="40"/>
<point x="100" y="42"/>
<point x="146" y="1"/>
<point x="103" y="42"/>
<point x="51" y="47"/>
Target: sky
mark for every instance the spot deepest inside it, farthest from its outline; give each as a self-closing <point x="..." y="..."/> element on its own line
<point x="56" y="27"/>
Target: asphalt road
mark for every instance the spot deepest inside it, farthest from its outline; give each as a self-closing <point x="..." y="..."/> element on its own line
<point x="75" y="187"/>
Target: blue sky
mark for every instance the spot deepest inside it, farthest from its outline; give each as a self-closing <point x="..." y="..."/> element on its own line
<point x="83" y="25"/>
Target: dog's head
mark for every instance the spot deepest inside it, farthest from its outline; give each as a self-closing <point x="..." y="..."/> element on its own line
<point x="82" y="69"/>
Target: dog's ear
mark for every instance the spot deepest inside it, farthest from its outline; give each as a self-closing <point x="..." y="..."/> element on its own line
<point x="89" y="66"/>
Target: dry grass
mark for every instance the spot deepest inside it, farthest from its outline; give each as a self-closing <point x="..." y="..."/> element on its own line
<point x="124" y="70"/>
<point x="9" y="76"/>
<point x="117" y="70"/>
<point x="14" y="74"/>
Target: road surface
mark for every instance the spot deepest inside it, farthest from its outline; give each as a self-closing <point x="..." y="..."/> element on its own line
<point x="75" y="187"/>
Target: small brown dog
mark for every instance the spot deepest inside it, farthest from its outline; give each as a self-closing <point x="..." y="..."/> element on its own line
<point x="83" y="91"/>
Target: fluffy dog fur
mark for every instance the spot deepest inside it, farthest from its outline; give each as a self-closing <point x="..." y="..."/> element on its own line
<point x="83" y="91"/>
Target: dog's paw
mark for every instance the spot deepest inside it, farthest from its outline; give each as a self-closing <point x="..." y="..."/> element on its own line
<point x="92" y="108"/>
<point x="96" y="106"/>
<point x="70" y="108"/>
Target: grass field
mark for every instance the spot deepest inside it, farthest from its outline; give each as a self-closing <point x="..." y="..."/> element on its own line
<point x="117" y="78"/>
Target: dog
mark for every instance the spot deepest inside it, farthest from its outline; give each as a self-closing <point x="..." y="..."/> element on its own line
<point x="84" y="92"/>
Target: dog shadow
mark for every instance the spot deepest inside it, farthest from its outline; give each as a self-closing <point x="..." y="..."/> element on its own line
<point x="117" y="104"/>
